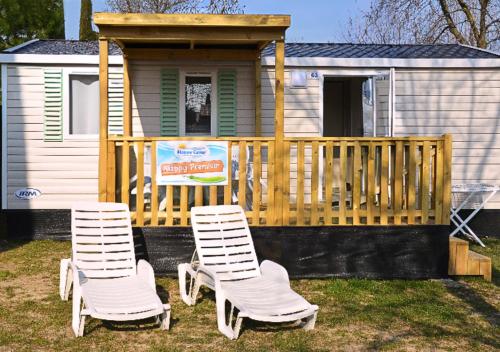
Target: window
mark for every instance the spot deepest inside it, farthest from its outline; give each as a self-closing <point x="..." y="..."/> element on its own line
<point x="198" y="92"/>
<point x="198" y="102"/>
<point x="83" y="105"/>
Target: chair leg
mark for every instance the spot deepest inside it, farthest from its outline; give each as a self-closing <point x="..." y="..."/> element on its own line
<point x="165" y="318"/>
<point x="65" y="279"/>
<point x="310" y="322"/>
<point x="189" y="297"/>
<point x="194" y="290"/>
<point x="82" y="325"/>
<point x="69" y="283"/>
<point x="237" y="326"/>
<point x="78" y="316"/>
<point x="224" y="327"/>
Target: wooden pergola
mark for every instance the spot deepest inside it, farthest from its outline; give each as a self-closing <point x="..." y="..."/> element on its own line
<point x="189" y="37"/>
<point x="310" y="180"/>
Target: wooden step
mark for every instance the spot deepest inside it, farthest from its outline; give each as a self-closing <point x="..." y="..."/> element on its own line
<point x="463" y="261"/>
<point x="478" y="264"/>
<point x="457" y="264"/>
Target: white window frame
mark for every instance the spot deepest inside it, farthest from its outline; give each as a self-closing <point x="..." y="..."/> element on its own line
<point x="213" y="101"/>
<point x="371" y="73"/>
<point x="67" y="72"/>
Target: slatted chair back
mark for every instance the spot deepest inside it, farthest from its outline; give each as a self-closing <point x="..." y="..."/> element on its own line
<point x="103" y="246"/>
<point x="223" y="241"/>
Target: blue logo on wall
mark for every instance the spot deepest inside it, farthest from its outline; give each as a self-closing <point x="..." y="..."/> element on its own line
<point x="28" y="193"/>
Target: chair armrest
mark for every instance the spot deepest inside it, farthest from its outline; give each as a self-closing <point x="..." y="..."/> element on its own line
<point x="78" y="276"/>
<point x="274" y="271"/>
<point x="145" y="271"/>
<point x="204" y="270"/>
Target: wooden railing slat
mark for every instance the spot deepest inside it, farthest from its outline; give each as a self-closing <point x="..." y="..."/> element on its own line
<point x="356" y="184"/>
<point x="125" y="173"/>
<point x="154" y="187"/>
<point x="212" y="195"/>
<point x="447" y="156"/>
<point x="228" y="188"/>
<point x="257" y="174"/>
<point x="343" y="183"/>
<point x="398" y="183"/>
<point x="140" y="185"/>
<point x="329" y="183"/>
<point x="384" y="189"/>
<point x="169" y="220"/>
<point x="271" y="210"/>
<point x="438" y="199"/>
<point x="184" y="205"/>
<point x="111" y="173"/>
<point x="300" y="183"/>
<point x="286" y="183"/>
<point x="198" y="196"/>
<point x="315" y="183"/>
<point x="424" y="194"/>
<point x="412" y="173"/>
<point x="371" y="186"/>
<point x="242" y="174"/>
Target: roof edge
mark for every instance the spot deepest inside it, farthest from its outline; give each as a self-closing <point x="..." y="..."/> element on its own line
<point x="40" y="59"/>
<point x="323" y="62"/>
<point x="22" y="45"/>
<point x="480" y="49"/>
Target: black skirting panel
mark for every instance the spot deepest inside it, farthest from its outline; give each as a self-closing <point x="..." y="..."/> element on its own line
<point x="414" y="252"/>
<point x="307" y="252"/>
<point x="52" y="224"/>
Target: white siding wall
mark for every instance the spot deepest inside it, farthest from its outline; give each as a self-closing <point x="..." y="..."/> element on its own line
<point x="302" y="105"/>
<point x="465" y="103"/>
<point x="64" y="172"/>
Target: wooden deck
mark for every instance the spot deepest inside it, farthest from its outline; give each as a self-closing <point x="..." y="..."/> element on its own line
<point x="323" y="181"/>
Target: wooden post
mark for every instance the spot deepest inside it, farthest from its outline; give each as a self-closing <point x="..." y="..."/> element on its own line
<point x="279" y="130"/>
<point x="127" y="98"/>
<point x="258" y="97"/>
<point x="447" y="167"/>
<point x="103" y="112"/>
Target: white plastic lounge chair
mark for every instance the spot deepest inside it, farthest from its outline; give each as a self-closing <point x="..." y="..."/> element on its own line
<point x="104" y="272"/>
<point x="228" y="264"/>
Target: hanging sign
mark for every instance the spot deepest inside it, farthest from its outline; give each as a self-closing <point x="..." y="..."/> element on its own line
<point x="192" y="163"/>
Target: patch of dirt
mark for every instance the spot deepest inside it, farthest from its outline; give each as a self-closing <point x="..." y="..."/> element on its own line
<point x="36" y="287"/>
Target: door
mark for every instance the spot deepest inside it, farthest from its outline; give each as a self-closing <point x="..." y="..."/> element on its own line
<point x="343" y="107"/>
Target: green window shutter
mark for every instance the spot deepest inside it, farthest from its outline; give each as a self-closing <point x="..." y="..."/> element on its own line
<point x="52" y="107"/>
<point x="169" y="102"/>
<point x="226" y="103"/>
<point x="115" y="103"/>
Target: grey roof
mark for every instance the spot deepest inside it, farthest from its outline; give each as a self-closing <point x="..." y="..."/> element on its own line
<point x="65" y="47"/>
<point x="383" y="51"/>
<point x="330" y="50"/>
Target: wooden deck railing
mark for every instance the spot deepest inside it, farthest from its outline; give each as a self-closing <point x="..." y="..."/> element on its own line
<point x="326" y="181"/>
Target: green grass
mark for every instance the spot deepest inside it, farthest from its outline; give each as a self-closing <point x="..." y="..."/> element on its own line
<point x="354" y="314"/>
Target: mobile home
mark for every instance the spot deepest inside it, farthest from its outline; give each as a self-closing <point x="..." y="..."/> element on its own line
<point x="319" y="134"/>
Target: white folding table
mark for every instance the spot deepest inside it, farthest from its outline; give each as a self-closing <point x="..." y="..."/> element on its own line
<point x="485" y="191"/>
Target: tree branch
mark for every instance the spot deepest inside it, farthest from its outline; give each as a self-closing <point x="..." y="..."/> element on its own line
<point x="472" y="21"/>
<point x="451" y="24"/>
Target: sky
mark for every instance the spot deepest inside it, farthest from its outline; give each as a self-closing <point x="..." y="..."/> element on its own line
<point x="312" y="20"/>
